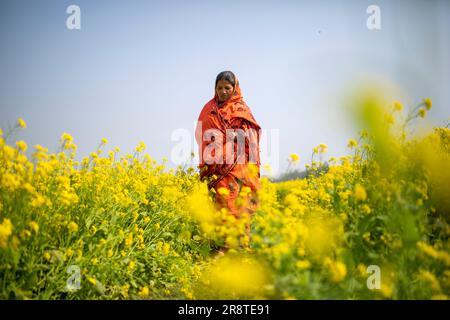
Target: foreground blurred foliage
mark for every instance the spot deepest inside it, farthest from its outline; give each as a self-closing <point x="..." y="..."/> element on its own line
<point x="135" y="230"/>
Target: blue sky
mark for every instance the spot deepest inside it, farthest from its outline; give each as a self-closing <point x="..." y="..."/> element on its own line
<point x="139" y="70"/>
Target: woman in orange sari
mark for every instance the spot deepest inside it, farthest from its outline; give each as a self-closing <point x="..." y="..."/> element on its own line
<point x="228" y="138"/>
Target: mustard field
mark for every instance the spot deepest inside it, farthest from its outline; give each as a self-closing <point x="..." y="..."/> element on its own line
<point x="370" y="225"/>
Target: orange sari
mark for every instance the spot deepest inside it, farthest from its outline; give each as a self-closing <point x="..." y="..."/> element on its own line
<point x="228" y="138"/>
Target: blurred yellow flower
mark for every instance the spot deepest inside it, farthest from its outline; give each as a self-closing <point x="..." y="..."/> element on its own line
<point x="322" y="148"/>
<point x="235" y="276"/>
<point x="73" y="227"/>
<point x="131" y="265"/>
<point x="322" y="236"/>
<point x="366" y="209"/>
<point x="361" y="270"/>
<point x="92" y="280"/>
<point x="140" y="147"/>
<point x="34" y="226"/>
<point x="124" y="290"/>
<point x="337" y="270"/>
<point x="360" y="192"/>
<point x="21" y="123"/>
<point x="66" y="137"/>
<point x="166" y="248"/>
<point x="253" y="170"/>
<point x="428" y="103"/>
<point x="294" y="157"/>
<point x="387" y="288"/>
<point x="47" y="256"/>
<point x="144" y="292"/>
<point x="429" y="278"/>
<point x="5" y="232"/>
<point x="129" y="240"/>
<point x="352" y="143"/>
<point x="22" y="145"/>
<point x="389" y="118"/>
<point x="422" y="112"/>
<point x="303" y="264"/>
<point x="223" y="191"/>
<point x="398" y="106"/>
<point x="432" y="252"/>
<point x="245" y="191"/>
<point x="69" y="252"/>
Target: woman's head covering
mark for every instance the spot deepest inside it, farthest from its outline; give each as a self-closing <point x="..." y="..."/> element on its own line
<point x="234" y="106"/>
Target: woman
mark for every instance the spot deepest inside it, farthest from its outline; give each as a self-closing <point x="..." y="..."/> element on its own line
<point x="228" y="138"/>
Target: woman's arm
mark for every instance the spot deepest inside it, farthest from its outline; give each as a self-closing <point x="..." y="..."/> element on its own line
<point x="250" y="137"/>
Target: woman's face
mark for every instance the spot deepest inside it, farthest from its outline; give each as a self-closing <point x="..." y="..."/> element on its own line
<point x="224" y="90"/>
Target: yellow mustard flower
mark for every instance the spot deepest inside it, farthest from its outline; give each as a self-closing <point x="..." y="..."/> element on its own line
<point x="428" y="103"/>
<point x="21" y="123"/>
<point x="5" y="231"/>
<point x="398" y="106"/>
<point x="22" y="145"/>
<point x="294" y="157"/>
<point x="223" y="191"/>
<point x="422" y="112"/>
<point x="73" y="227"/>
<point x="360" y="192"/>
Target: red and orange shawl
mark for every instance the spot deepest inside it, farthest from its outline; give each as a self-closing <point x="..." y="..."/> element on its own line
<point x="231" y="114"/>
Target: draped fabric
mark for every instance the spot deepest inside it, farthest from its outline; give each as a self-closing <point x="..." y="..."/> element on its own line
<point x="228" y="138"/>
